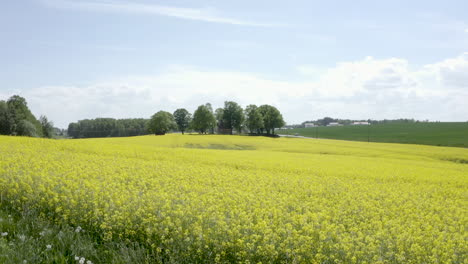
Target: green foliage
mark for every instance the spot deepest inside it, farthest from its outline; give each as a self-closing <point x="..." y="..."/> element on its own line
<point x="219" y="118"/>
<point x="26" y="128"/>
<point x="203" y="119"/>
<point x="161" y="123"/>
<point x="182" y="118"/>
<point x="17" y="119"/>
<point x="5" y="125"/>
<point x="28" y="238"/>
<point x="232" y="116"/>
<point x="108" y="127"/>
<point x="47" y="127"/>
<point x="254" y="120"/>
<point x="272" y="118"/>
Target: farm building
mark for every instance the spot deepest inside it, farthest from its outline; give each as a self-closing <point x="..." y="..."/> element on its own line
<point x="361" y="123"/>
<point x="309" y="125"/>
<point x="334" y="124"/>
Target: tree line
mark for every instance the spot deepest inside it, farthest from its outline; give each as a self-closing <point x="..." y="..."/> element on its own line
<point x="108" y="127"/>
<point x="17" y="119"/>
<point x="231" y="118"/>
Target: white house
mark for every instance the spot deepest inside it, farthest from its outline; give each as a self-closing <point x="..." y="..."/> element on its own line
<point x="334" y="124"/>
<point x="361" y="123"/>
<point x="309" y="125"/>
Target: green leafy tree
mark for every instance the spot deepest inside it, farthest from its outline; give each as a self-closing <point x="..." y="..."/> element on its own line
<point x="47" y="127"/>
<point x="272" y="118"/>
<point x="203" y="119"/>
<point x="219" y="119"/>
<point x="5" y="124"/>
<point x="17" y="111"/>
<point x="161" y="123"/>
<point x="74" y="130"/>
<point x="233" y="116"/>
<point x="182" y="118"/>
<point x="254" y="120"/>
<point x="26" y="128"/>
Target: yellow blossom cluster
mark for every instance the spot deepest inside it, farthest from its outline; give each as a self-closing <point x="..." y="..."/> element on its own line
<point x="195" y="198"/>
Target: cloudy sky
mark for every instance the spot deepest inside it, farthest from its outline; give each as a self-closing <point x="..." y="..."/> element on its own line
<point x="76" y="59"/>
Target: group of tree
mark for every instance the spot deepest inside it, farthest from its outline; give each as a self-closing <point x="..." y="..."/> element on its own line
<point x="17" y="119"/>
<point x="108" y="127"/>
<point x="226" y="120"/>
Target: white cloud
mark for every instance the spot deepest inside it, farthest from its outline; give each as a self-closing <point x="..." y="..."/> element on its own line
<point x="200" y="14"/>
<point x="367" y="88"/>
<point x="309" y="70"/>
<point x="451" y="73"/>
<point x="348" y="78"/>
<point x="466" y="30"/>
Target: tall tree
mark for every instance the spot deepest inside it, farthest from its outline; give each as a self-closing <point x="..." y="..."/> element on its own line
<point x="5" y="125"/>
<point x="27" y="128"/>
<point x="161" y="123"/>
<point x="47" y="127"/>
<point x="74" y="130"/>
<point x="254" y="120"/>
<point x="272" y="118"/>
<point x="233" y="116"/>
<point x="219" y="119"/>
<point x="182" y="118"/>
<point x="17" y="111"/>
<point x="213" y="123"/>
<point x="203" y="119"/>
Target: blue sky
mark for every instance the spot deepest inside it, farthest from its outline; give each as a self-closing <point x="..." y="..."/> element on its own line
<point x="76" y="59"/>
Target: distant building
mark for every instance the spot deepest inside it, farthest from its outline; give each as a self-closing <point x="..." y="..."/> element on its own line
<point x="309" y="125"/>
<point x="334" y="124"/>
<point x="361" y="123"/>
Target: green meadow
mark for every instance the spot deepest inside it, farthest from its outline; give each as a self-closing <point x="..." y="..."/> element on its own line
<point x="453" y="134"/>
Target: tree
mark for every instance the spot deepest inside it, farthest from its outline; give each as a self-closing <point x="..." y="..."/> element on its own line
<point x="74" y="130"/>
<point x="182" y="118"/>
<point x="272" y="118"/>
<point x="219" y="119"/>
<point x="47" y="127"/>
<point x="17" y="111"/>
<point x="326" y="120"/>
<point x="203" y="119"/>
<point x="5" y="125"/>
<point x="161" y="123"/>
<point x="254" y="120"/>
<point x="26" y="128"/>
<point x="213" y="124"/>
<point x="233" y="116"/>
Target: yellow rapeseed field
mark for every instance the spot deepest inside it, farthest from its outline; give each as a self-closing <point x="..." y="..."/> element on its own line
<point x="196" y="198"/>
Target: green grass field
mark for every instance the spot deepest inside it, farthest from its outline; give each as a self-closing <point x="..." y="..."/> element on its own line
<point x="438" y="134"/>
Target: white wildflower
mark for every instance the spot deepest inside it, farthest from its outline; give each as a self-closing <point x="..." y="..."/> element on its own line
<point x="42" y="233"/>
<point x="25" y="261"/>
<point x="49" y="247"/>
<point x="77" y="258"/>
<point x="89" y="262"/>
<point x="78" y="229"/>
<point x="4" y="234"/>
<point x="22" y="237"/>
<point x="82" y="260"/>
